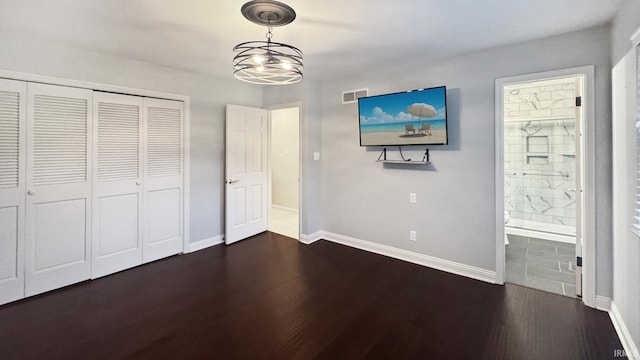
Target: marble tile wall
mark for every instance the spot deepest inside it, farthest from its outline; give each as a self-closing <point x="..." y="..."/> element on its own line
<point x="539" y="157"/>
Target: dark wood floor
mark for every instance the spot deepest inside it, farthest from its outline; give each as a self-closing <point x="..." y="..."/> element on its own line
<point x="270" y="297"/>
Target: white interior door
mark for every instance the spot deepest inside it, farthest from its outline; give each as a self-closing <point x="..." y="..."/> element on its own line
<point x="246" y="190"/>
<point x="12" y="188"/>
<point x="117" y="183"/>
<point x="58" y="204"/>
<point x="162" y="183"/>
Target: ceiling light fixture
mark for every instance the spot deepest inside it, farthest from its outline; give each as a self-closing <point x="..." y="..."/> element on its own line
<point x="267" y="62"/>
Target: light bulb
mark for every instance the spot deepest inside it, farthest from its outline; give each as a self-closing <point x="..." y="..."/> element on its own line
<point x="286" y="65"/>
<point x="258" y="59"/>
<point x="260" y="68"/>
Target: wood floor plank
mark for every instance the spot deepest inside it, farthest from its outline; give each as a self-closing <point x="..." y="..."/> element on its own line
<point x="270" y="297"/>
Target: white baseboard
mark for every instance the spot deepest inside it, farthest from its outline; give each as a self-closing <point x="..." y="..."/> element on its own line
<point x="603" y="303"/>
<point x="203" y="244"/>
<point x="628" y="344"/>
<point x="310" y="239"/>
<point x="280" y="207"/>
<point x="413" y="257"/>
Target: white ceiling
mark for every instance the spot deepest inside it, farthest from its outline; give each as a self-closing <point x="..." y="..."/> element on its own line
<point x="336" y="36"/>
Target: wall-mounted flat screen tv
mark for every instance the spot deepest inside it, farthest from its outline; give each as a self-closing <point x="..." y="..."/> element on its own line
<point x="417" y="117"/>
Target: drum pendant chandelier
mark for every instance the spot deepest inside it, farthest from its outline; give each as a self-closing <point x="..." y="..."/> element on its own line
<point x="267" y="62"/>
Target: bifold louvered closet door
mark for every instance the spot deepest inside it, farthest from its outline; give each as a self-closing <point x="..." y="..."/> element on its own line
<point x="137" y="208"/>
<point x="58" y="201"/>
<point x="117" y="183"/>
<point x="12" y="188"/>
<point x="163" y="174"/>
<point x="91" y="183"/>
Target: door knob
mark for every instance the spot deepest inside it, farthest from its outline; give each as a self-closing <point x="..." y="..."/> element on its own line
<point x="31" y="191"/>
<point x="231" y="181"/>
<point x="138" y="182"/>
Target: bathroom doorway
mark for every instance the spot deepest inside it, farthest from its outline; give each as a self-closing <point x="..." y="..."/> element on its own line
<point x="542" y="143"/>
<point x="284" y="171"/>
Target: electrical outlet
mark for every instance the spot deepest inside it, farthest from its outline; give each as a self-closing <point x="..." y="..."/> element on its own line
<point x="412" y="235"/>
<point x="412" y="198"/>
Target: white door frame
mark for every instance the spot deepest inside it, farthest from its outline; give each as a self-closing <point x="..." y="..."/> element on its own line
<point x="588" y="171"/>
<point x="297" y="104"/>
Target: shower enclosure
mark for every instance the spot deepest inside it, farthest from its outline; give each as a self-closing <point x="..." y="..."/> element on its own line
<point x="540" y="159"/>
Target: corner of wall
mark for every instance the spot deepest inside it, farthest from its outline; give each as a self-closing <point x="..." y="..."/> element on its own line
<point x="629" y="345"/>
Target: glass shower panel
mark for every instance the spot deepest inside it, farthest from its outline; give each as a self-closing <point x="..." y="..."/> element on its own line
<point x="539" y="156"/>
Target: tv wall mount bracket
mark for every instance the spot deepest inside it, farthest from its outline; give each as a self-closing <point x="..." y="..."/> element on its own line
<point x="383" y="158"/>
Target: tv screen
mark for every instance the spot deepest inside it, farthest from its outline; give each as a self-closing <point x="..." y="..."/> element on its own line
<point x="417" y="117"/>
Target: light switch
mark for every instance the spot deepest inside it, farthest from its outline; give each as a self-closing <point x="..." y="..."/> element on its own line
<point x="412" y="198"/>
<point x="316" y="156"/>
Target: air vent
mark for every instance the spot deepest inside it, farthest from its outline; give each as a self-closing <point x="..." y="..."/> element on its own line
<point x="352" y="96"/>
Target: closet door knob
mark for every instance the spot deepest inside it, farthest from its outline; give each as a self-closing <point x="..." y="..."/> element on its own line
<point x="138" y="182"/>
<point x="31" y="191"/>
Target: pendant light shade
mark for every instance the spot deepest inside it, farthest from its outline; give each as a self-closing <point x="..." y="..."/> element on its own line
<point x="267" y="62"/>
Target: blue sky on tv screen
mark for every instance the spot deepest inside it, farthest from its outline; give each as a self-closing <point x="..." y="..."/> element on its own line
<point x="392" y="108"/>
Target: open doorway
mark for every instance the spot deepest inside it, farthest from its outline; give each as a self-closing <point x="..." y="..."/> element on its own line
<point x="541" y="182"/>
<point x="545" y="181"/>
<point x="285" y="171"/>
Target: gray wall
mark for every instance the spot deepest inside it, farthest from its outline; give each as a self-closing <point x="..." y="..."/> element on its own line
<point x="626" y="245"/>
<point x="22" y="52"/>
<point x="623" y="25"/>
<point x="454" y="217"/>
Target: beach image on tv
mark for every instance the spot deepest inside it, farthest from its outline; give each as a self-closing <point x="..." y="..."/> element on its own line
<point x="409" y="118"/>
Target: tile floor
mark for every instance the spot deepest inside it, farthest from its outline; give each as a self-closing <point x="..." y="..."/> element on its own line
<point x="284" y="222"/>
<point x="541" y="264"/>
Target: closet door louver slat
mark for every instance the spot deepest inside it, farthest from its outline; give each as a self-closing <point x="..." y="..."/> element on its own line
<point x="164" y="141"/>
<point x="60" y="140"/>
<point x="118" y="141"/>
<point x="9" y="139"/>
